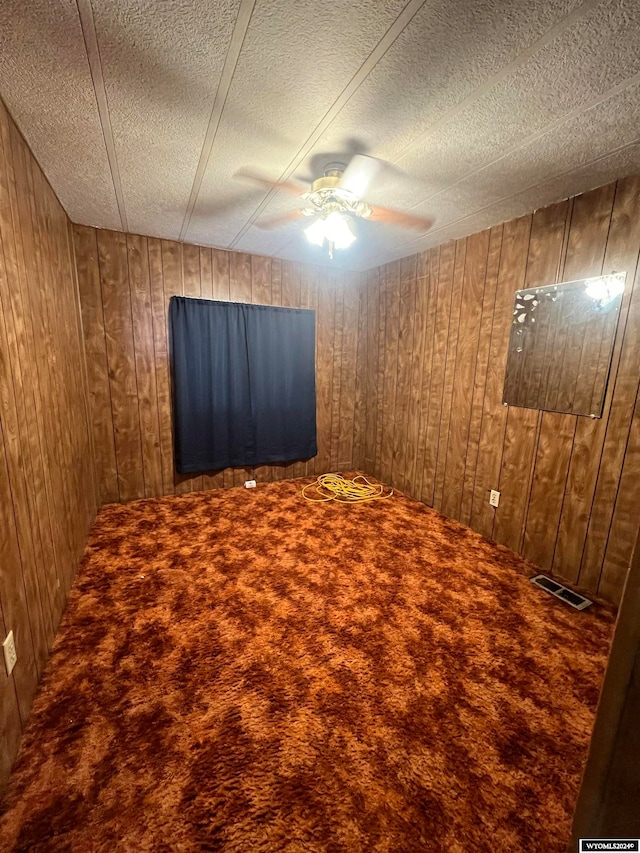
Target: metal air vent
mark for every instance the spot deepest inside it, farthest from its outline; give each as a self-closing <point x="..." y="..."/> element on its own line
<point x="562" y="592"/>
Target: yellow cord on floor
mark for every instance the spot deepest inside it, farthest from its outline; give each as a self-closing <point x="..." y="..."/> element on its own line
<point x="335" y="487"/>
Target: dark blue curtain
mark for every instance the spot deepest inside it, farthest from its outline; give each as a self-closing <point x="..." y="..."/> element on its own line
<point x="243" y="383"/>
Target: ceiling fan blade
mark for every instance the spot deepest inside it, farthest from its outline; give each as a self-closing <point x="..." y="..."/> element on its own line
<point x="361" y="174"/>
<point x="257" y="177"/>
<point x="278" y="219"/>
<point x="397" y="217"/>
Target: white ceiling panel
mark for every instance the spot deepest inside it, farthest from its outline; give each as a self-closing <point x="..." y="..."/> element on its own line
<point x="563" y="79"/>
<point x="579" y="180"/>
<point x="567" y="151"/>
<point x="142" y="112"/>
<point x="296" y="60"/>
<point x="449" y="51"/>
<point x="46" y="84"/>
<point x="162" y="64"/>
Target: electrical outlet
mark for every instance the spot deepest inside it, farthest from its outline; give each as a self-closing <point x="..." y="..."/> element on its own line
<point x="249" y="484"/>
<point x="10" y="655"/>
<point x="494" y="498"/>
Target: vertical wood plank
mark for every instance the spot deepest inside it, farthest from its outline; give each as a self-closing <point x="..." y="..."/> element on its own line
<point x="392" y="331"/>
<point x="17" y="562"/>
<point x="221" y="279"/>
<point x="312" y="276"/>
<point x="475" y="265"/>
<point x="625" y="519"/>
<point x="239" y="277"/>
<point x="142" y="318"/>
<point x="420" y="286"/>
<point x="114" y="275"/>
<point x="371" y="305"/>
<point x="324" y="368"/>
<point x="290" y="294"/>
<point x="239" y="291"/>
<point x="515" y="239"/>
<point x="624" y="233"/>
<point x="522" y="428"/>
<point x="17" y="231"/>
<point x="444" y="292"/>
<point x="261" y="295"/>
<point x="455" y="287"/>
<point x="160" y="345"/>
<point x="360" y="393"/>
<point x="15" y="607"/>
<point x="206" y="273"/>
<point x="347" y="399"/>
<point x="9" y="720"/>
<point x="172" y="285"/>
<point x="427" y="451"/>
<point x="299" y="468"/>
<point x="480" y="377"/>
<point x="211" y="479"/>
<point x="260" y="280"/>
<point x="51" y="402"/>
<point x="185" y="483"/>
<point x="406" y="318"/>
<point x="222" y="290"/>
<point x="337" y="283"/>
<point x="86" y="252"/>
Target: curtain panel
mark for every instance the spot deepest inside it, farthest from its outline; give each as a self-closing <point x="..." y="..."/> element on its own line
<point x="243" y="384"/>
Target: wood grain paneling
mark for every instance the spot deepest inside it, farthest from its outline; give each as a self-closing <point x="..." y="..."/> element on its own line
<point x="116" y="302"/>
<point x="523" y="425"/>
<point x="47" y="488"/>
<point x="568" y="484"/>
<point x="126" y="282"/>
<point x="466" y="358"/>
<point x="480" y="372"/>
<point x="440" y="498"/>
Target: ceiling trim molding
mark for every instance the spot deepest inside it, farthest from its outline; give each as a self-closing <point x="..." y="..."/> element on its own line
<point x="233" y="53"/>
<point x="396" y="28"/>
<point x="87" y="22"/>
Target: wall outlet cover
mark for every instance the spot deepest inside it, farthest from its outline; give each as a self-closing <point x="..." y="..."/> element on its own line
<point x="10" y="654"/>
<point x="494" y="498"/>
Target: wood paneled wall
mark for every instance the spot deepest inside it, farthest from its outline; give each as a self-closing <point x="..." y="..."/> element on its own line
<point x="126" y="282"/>
<point x="432" y="347"/>
<point x="47" y="491"/>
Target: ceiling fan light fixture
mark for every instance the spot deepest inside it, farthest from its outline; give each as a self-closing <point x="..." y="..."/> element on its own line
<point x="315" y="232"/>
<point x="334" y="228"/>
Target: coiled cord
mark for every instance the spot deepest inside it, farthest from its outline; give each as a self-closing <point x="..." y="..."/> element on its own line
<point x="335" y="487"/>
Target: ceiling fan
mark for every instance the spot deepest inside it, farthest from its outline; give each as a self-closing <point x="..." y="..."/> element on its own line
<point x="335" y="199"/>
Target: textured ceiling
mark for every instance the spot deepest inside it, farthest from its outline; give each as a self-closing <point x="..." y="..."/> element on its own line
<point x="141" y="112"/>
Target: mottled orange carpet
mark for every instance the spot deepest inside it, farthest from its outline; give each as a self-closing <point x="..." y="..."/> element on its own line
<point x="245" y="671"/>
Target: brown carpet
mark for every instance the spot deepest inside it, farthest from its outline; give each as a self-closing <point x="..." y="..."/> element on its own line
<point x="244" y="671"/>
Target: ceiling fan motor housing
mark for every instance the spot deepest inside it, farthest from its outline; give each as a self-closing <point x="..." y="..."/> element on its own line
<point x="326" y="195"/>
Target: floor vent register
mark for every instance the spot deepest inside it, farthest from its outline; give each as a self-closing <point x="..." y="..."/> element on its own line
<point x="567" y="595"/>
